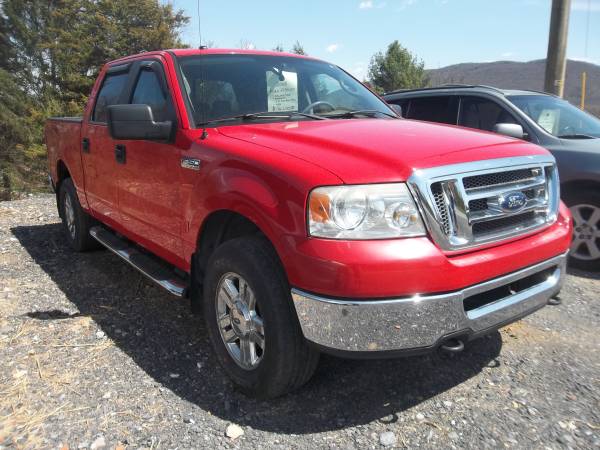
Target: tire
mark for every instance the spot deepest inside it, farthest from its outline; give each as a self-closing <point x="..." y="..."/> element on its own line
<point x="285" y="361"/>
<point x="76" y="222"/>
<point x="585" y="249"/>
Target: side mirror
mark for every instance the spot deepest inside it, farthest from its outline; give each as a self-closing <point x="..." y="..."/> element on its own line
<point x="137" y="122"/>
<point x="510" y="129"/>
<point x="396" y="108"/>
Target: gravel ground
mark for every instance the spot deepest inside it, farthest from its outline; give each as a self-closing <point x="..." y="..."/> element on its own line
<point x="95" y="356"/>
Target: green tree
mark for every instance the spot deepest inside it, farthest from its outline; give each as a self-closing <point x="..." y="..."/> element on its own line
<point x="397" y="68"/>
<point x="298" y="49"/>
<point x="50" y="54"/>
<point x="278" y="48"/>
<point x="58" y="46"/>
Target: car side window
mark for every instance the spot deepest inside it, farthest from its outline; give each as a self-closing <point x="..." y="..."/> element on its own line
<point x="483" y="114"/>
<point x="148" y="91"/>
<point x="440" y="109"/>
<point x="402" y="103"/>
<point x="109" y="94"/>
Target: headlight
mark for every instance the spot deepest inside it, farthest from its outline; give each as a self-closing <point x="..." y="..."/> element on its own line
<point x="370" y="211"/>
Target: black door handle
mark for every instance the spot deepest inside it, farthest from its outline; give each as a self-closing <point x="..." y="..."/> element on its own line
<point x="85" y="145"/>
<point x="120" y="153"/>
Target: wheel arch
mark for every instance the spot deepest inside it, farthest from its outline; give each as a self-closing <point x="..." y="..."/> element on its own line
<point x="218" y="227"/>
<point x="573" y="187"/>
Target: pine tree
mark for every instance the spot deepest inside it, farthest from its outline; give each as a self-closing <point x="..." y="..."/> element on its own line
<point x="298" y="49"/>
<point x="397" y="68"/>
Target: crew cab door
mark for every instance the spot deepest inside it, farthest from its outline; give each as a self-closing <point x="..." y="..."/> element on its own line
<point x="97" y="148"/>
<point x="148" y="171"/>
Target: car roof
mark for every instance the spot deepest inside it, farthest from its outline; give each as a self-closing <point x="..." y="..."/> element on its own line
<point x="464" y="87"/>
<point x="208" y="51"/>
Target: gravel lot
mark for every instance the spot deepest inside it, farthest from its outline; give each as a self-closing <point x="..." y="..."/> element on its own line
<point x="92" y="355"/>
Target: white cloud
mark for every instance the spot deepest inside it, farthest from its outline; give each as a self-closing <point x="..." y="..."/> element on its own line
<point x="583" y="5"/>
<point x="405" y="4"/>
<point x="332" y="48"/>
<point x="507" y="54"/>
<point x="370" y="4"/>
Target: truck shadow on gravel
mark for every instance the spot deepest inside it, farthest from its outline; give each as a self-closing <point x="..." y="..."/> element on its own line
<point x="159" y="333"/>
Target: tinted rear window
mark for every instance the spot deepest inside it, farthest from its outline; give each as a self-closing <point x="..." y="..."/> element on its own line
<point x="433" y="109"/>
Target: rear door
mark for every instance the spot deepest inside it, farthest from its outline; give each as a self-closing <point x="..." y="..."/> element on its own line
<point x="438" y="108"/>
<point x="97" y="147"/>
<point x="149" y="196"/>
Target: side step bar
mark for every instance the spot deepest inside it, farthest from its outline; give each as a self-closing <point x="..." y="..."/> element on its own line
<point x="149" y="265"/>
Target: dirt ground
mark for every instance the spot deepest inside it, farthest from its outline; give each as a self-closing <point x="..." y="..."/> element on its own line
<point x="94" y="356"/>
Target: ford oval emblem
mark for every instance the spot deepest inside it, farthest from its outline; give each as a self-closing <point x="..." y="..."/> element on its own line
<point x="512" y="201"/>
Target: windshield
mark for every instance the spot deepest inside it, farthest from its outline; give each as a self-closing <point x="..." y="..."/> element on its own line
<point x="558" y="117"/>
<point x="223" y="86"/>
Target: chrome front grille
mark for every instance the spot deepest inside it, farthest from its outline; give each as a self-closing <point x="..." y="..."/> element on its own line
<point x="471" y="204"/>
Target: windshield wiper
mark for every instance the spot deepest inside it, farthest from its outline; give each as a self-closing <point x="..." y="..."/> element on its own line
<point x="262" y="115"/>
<point x="576" y="136"/>
<point x="358" y="113"/>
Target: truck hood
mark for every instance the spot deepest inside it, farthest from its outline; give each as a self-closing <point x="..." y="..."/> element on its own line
<point x="379" y="150"/>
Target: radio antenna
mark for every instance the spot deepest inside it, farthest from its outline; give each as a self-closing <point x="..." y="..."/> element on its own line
<point x="199" y="27"/>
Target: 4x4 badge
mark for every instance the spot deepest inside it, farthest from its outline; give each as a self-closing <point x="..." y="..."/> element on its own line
<point x="190" y="163"/>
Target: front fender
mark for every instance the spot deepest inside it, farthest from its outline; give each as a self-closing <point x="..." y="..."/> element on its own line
<point x="262" y="190"/>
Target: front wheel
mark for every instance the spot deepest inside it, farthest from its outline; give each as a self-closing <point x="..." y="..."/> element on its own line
<point x="585" y="248"/>
<point x="251" y="320"/>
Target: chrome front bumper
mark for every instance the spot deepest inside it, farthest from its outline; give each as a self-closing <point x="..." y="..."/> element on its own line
<point x="423" y="322"/>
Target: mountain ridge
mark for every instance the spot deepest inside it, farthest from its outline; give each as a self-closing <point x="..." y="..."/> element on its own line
<point x="523" y="75"/>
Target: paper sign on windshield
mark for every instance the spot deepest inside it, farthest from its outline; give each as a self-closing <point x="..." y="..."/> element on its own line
<point x="548" y="120"/>
<point x="282" y="95"/>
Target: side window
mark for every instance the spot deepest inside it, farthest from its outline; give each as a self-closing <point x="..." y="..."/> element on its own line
<point x="483" y="114"/>
<point x="402" y="103"/>
<point x="148" y="91"/>
<point x="433" y="109"/>
<point x="111" y="89"/>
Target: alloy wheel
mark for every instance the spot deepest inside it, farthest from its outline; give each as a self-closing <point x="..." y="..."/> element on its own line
<point x="239" y="321"/>
<point x="70" y="216"/>
<point x="586" y="232"/>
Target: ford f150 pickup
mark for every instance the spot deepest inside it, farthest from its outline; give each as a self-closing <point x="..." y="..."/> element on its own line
<point x="301" y="215"/>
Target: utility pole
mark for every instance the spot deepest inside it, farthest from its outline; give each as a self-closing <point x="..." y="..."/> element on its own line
<point x="557" y="47"/>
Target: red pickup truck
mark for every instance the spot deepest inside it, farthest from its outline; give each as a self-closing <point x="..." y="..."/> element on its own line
<point x="301" y="215"/>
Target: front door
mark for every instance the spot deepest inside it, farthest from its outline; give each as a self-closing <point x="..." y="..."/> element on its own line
<point x="149" y="197"/>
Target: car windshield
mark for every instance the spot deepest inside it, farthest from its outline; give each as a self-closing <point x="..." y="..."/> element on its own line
<point x="240" y="86"/>
<point x="558" y="117"/>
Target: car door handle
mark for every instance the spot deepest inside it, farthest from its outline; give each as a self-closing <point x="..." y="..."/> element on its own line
<point x="85" y="145"/>
<point x="120" y="154"/>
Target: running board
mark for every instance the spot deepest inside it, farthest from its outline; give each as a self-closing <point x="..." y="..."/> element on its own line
<point x="147" y="264"/>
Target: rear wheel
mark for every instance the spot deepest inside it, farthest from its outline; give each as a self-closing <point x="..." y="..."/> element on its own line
<point x="251" y="320"/>
<point x="76" y="221"/>
<point x="585" y="248"/>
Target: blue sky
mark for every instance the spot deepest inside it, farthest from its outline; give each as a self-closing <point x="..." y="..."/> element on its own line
<point x="349" y="32"/>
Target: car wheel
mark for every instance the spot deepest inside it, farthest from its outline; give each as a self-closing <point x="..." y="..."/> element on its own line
<point x="76" y="221"/>
<point x="585" y="248"/>
<point x="252" y="322"/>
